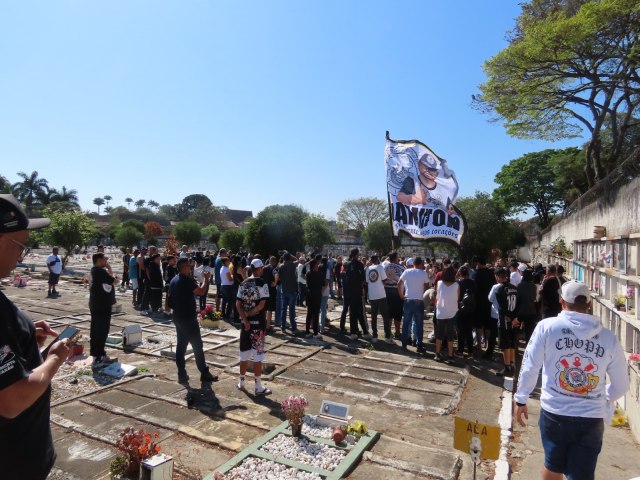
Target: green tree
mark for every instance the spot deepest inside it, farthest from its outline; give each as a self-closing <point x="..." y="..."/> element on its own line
<point x="153" y="204"/>
<point x="377" y="236"/>
<point x="188" y="232"/>
<point x="357" y="213"/>
<point x="128" y="236"/>
<point x="570" y="66"/>
<point x="128" y="201"/>
<point x="30" y="190"/>
<point x="107" y="198"/>
<point x="67" y="229"/>
<point x="5" y="185"/>
<point x="99" y="201"/>
<point x="277" y="227"/>
<point x="211" y="233"/>
<point x="64" y="195"/>
<point x="140" y="203"/>
<point x="316" y="232"/>
<point x="488" y="227"/>
<point x="528" y="182"/>
<point x="568" y="171"/>
<point x="233" y="239"/>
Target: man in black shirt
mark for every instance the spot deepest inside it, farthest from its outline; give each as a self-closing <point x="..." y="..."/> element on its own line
<point x="182" y="299"/>
<point x="484" y="325"/>
<point x="270" y="276"/>
<point x="26" y="446"/>
<point x="354" y="283"/>
<point x="100" y="301"/>
<point x="550" y="293"/>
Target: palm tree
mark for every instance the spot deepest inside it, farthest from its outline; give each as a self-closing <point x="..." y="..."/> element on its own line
<point x="98" y="201"/>
<point x="30" y="190"/>
<point x="140" y="203"/>
<point x="107" y="199"/>
<point x="153" y="204"/>
<point x="129" y="201"/>
<point x="5" y="186"/>
<point x="64" y="195"/>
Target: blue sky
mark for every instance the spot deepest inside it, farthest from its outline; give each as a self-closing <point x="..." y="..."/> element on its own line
<point x="251" y="103"/>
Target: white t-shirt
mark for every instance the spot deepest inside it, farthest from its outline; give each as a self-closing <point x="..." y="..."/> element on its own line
<point x="447" y="304"/>
<point x="415" y="280"/>
<point x="515" y="278"/>
<point x="224" y="278"/>
<point x="326" y="290"/>
<point x="301" y="277"/>
<point x="375" y="275"/>
<point x="57" y="267"/>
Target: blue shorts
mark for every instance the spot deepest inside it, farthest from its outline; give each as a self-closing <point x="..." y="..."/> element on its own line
<point x="571" y="444"/>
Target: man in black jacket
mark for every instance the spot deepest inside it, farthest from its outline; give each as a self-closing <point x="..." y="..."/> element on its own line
<point x="100" y="300"/>
<point x="354" y="283"/>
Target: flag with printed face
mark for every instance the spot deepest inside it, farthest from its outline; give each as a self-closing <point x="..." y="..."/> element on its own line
<point x="422" y="191"/>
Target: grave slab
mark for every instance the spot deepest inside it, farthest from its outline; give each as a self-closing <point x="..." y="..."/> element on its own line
<point x="86" y="458"/>
<point x="304" y="375"/>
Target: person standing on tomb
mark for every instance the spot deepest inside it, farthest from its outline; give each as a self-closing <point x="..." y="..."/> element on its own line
<point x="133" y="276"/>
<point x="376" y="276"/>
<point x="100" y="301"/>
<point x="393" y="270"/>
<point x="411" y="287"/>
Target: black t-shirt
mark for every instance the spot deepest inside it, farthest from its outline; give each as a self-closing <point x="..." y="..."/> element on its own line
<point x="169" y="273"/>
<point x="507" y="296"/>
<point x="485" y="280"/>
<point x="551" y="296"/>
<point x="354" y="275"/>
<point x="101" y="294"/>
<point x="268" y="275"/>
<point x="26" y="446"/>
<point x="181" y="296"/>
<point x="315" y="282"/>
<point x="155" y="275"/>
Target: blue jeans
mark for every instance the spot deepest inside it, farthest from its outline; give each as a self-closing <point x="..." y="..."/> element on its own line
<point x="323" y="312"/>
<point x="188" y="332"/>
<point x="288" y="300"/>
<point x="571" y="444"/>
<point x="413" y="312"/>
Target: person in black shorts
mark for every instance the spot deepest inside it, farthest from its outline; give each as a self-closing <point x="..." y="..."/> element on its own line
<point x="505" y="297"/>
<point x="251" y="301"/>
<point x="270" y="276"/>
<point x="482" y="321"/>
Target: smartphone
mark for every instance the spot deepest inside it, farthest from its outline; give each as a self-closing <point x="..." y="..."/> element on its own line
<point x="69" y="332"/>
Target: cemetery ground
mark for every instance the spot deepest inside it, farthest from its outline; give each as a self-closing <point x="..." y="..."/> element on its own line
<point x="410" y="399"/>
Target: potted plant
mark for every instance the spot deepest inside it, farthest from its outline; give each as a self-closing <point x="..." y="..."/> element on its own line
<point x="209" y="317"/>
<point x="134" y="446"/>
<point x="293" y="408"/>
<point x="620" y="302"/>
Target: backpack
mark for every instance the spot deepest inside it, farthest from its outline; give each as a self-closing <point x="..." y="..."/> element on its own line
<point x="468" y="302"/>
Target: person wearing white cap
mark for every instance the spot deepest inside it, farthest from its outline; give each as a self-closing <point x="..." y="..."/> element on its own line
<point x="576" y="355"/>
<point x="25" y="377"/>
<point x="252" y="298"/>
<point x="515" y="275"/>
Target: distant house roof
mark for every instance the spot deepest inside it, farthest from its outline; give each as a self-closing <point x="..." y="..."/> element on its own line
<point x="238" y="216"/>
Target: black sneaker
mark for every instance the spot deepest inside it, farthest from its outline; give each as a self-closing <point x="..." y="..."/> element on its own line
<point x="421" y="349"/>
<point x="183" y="377"/>
<point x="504" y="370"/>
<point x="208" y="377"/>
<point x="404" y="347"/>
<point x="450" y="361"/>
<point x="438" y="357"/>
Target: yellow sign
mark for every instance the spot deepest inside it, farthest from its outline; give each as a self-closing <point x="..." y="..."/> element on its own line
<point x="489" y="437"/>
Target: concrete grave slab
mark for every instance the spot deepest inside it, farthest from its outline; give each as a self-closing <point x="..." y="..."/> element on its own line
<point x="151" y="387"/>
<point x="306" y="376"/>
<point x="86" y="458"/>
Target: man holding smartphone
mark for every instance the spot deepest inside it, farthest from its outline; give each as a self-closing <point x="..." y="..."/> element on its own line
<point x="25" y="378"/>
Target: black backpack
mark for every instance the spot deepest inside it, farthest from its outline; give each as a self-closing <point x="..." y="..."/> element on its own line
<point x="468" y="302"/>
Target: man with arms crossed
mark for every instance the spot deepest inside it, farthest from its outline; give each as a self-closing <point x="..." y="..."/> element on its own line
<point x="576" y="355"/>
<point x="25" y="378"/>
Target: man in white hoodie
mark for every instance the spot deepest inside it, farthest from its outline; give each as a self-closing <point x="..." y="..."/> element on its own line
<point x="575" y="353"/>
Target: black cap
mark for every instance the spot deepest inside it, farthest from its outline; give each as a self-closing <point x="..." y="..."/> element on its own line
<point x="14" y="219"/>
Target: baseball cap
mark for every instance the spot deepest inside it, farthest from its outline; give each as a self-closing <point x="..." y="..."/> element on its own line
<point x="429" y="161"/>
<point x="571" y="290"/>
<point x="14" y="219"/>
<point x="256" y="263"/>
<point x="409" y="262"/>
<point x="522" y="267"/>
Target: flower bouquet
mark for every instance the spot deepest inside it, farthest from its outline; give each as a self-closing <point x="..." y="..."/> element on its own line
<point x="619" y="419"/>
<point x="134" y="446"/>
<point x="634" y="359"/>
<point x="293" y="408"/>
<point x="620" y="302"/>
<point x="357" y="429"/>
<point x="209" y="317"/>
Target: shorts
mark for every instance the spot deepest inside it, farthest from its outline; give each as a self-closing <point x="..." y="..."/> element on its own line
<point x="134" y="283"/>
<point x="571" y="444"/>
<point x="482" y="316"/>
<point x="506" y="337"/>
<point x="53" y="278"/>
<point x="445" y="328"/>
<point x="271" y="303"/>
<point x="252" y="341"/>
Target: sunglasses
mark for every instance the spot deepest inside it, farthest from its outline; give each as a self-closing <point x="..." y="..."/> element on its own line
<point x="25" y="249"/>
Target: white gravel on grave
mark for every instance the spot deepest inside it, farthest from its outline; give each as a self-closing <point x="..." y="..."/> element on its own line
<point x="310" y="427"/>
<point x="304" y="451"/>
<point x="253" y="468"/>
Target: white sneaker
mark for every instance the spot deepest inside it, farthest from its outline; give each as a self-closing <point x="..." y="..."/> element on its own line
<point x="146" y="313"/>
<point x="353" y="336"/>
<point x="318" y="337"/>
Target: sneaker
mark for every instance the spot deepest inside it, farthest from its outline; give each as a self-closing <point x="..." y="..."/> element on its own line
<point x="450" y="361"/>
<point x="343" y="331"/>
<point x="183" y="377"/>
<point x="438" y="357"/>
<point x="56" y="294"/>
<point x="501" y="373"/>
<point x="389" y="340"/>
<point x="366" y="336"/>
<point x="353" y="336"/>
<point x="404" y="347"/>
<point x="240" y="386"/>
<point x="208" y="377"/>
<point x="146" y="313"/>
<point x="458" y="354"/>
<point x="397" y="336"/>
<point x="421" y="349"/>
<point x="106" y="360"/>
<point x="308" y="335"/>
<point x="318" y="336"/>
<point x="49" y="295"/>
<point x="374" y="339"/>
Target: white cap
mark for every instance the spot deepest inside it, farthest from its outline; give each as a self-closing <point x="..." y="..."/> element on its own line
<point x="256" y="263"/>
<point x="522" y="267"/>
<point x="572" y="290"/>
<point x="410" y="262"/>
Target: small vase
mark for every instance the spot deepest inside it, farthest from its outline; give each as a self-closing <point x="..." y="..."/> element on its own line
<point x="296" y="429"/>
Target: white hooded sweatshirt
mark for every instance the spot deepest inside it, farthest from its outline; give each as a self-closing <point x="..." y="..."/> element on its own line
<point x="575" y="353"/>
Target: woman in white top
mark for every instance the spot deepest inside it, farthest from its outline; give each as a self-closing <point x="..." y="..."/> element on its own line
<point x="448" y="294"/>
<point x="226" y="285"/>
